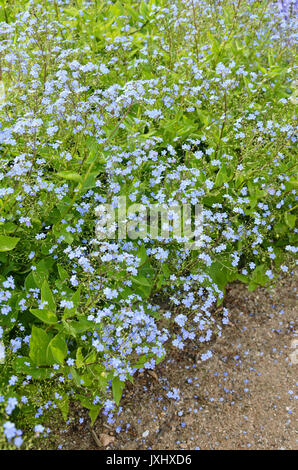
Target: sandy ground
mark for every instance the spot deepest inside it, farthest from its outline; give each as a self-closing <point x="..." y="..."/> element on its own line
<point x="244" y="397"/>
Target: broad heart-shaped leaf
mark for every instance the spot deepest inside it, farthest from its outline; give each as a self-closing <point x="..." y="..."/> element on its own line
<point x="42" y="271"/>
<point x="258" y="275"/>
<point x="222" y="176"/>
<point x="117" y="388"/>
<point x="142" y="254"/>
<point x="8" y="243"/>
<point x="63" y="274"/>
<point x="58" y="348"/>
<point x="93" y="413"/>
<point x="46" y="295"/>
<point x="290" y="220"/>
<point x="44" y="315"/>
<point x="39" y="342"/>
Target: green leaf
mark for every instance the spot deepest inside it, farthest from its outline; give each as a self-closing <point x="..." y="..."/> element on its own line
<point x="292" y="184"/>
<point x="85" y="401"/>
<point x="258" y="276"/>
<point x="8" y="243"/>
<point x="70" y="175"/>
<point x="142" y="254"/>
<point x="141" y="361"/>
<point x="9" y="227"/>
<point x="79" y="358"/>
<point x="30" y="282"/>
<point x="222" y="176"/>
<point x="41" y="273"/>
<point x="90" y="181"/>
<point x="90" y="358"/>
<point x="252" y="286"/>
<point x="220" y="274"/>
<point x="76" y="297"/>
<point x="160" y="281"/>
<point x="290" y="220"/>
<point x="144" y="287"/>
<point x="165" y="270"/>
<point x="47" y="296"/>
<point x="58" y="348"/>
<point x="23" y="365"/>
<point x="143" y="9"/>
<point x="62" y="273"/>
<point x="117" y="389"/>
<point x="280" y="228"/>
<point x="38" y="278"/>
<point x="75" y="376"/>
<point x="142" y="281"/>
<point x="39" y="342"/>
<point x="76" y="327"/>
<point x="94" y="412"/>
<point x="63" y="405"/>
<point x="47" y="316"/>
<point x="70" y="312"/>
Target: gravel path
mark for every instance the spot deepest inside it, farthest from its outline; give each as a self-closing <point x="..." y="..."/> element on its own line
<point x="241" y="398"/>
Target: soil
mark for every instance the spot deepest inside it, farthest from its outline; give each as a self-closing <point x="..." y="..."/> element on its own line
<point x="242" y="398"/>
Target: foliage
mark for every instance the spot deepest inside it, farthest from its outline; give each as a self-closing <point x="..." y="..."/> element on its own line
<point x="190" y="101"/>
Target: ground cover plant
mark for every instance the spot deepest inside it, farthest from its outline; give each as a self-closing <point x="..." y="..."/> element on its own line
<point x="157" y="102"/>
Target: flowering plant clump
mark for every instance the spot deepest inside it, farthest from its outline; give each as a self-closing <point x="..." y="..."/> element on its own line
<point x="158" y="102"/>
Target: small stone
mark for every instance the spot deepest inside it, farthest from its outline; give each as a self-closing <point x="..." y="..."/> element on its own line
<point x="106" y="440"/>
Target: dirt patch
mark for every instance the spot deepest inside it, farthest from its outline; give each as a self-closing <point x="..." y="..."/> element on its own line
<point x="241" y="398"/>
